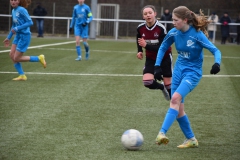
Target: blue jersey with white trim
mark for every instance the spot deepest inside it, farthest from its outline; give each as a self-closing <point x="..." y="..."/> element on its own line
<point x="21" y="21"/>
<point x="189" y="46"/>
<point x="81" y="14"/>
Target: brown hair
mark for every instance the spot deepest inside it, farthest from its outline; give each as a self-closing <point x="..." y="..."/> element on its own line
<point x="149" y="6"/>
<point x="199" y="22"/>
<point x="25" y="3"/>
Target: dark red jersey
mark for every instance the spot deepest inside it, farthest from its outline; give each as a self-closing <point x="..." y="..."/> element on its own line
<point x="154" y="37"/>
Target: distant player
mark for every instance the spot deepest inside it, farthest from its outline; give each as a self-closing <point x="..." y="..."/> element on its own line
<point x="150" y="35"/>
<point x="81" y="17"/>
<point x="21" y="23"/>
<point x="190" y="37"/>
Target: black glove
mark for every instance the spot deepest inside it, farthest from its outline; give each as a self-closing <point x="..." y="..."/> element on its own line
<point x="215" y="68"/>
<point x="158" y="73"/>
<point x="84" y="24"/>
<point x="70" y="30"/>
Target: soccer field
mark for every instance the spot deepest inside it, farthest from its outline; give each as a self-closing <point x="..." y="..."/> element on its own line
<point x="78" y="110"/>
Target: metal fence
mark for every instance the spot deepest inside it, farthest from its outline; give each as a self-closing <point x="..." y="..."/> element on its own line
<point x="129" y="26"/>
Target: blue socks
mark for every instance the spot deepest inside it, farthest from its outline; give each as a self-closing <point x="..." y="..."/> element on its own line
<point x="169" y="119"/>
<point x="86" y="46"/>
<point x="18" y="67"/>
<point x="185" y="126"/>
<point x="78" y="49"/>
<point x="34" y="59"/>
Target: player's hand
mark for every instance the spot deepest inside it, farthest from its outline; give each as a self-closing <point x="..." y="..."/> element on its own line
<point x="140" y="55"/>
<point x="215" y="68"/>
<point x="70" y="30"/>
<point x="6" y="42"/>
<point x="158" y="73"/>
<point x="142" y="42"/>
<point x="84" y="24"/>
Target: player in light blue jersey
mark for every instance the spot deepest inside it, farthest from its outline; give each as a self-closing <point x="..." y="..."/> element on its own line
<point x="81" y="17"/>
<point x="190" y="37"/>
<point x="21" y="23"/>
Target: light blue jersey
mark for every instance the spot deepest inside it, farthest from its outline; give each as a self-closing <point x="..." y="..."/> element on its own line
<point x="189" y="46"/>
<point x="188" y="67"/>
<point x="21" y="21"/>
<point x="81" y="15"/>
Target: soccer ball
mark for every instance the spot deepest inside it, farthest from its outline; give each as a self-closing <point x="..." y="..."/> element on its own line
<point x="132" y="139"/>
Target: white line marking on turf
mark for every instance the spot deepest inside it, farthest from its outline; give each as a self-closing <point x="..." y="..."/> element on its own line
<point x="65" y="49"/>
<point x="44" y="45"/>
<point x="109" y="75"/>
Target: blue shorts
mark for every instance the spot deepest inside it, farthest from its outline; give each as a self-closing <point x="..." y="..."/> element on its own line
<point x="184" y="82"/>
<point x="22" y="41"/>
<point x="81" y="31"/>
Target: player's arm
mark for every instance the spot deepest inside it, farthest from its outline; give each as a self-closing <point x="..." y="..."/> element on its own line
<point x="204" y="42"/>
<point x="28" y="21"/>
<point x="10" y="33"/>
<point x="73" y="19"/>
<point x="166" y="43"/>
<point x="25" y="25"/>
<point x="139" y="48"/>
<point x="89" y="15"/>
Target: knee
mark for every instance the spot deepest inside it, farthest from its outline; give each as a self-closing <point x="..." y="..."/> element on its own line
<point x="176" y="99"/>
<point x="85" y="43"/>
<point x="11" y="55"/>
<point x="15" y="59"/>
<point x="148" y="83"/>
<point x="152" y="84"/>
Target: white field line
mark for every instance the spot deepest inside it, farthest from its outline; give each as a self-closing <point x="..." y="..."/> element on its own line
<point x="64" y="49"/>
<point x="45" y="45"/>
<point x="56" y="44"/>
<point x="108" y="75"/>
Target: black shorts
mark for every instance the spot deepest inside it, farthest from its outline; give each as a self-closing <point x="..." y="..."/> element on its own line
<point x="166" y="66"/>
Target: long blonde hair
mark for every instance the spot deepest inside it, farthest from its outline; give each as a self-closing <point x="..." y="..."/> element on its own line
<point x="25" y="3"/>
<point x="199" y="22"/>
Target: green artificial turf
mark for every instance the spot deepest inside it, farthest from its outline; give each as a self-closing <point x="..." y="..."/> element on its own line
<point x="79" y="109"/>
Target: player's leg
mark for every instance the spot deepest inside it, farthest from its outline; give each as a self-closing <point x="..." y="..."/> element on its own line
<point x="187" y="85"/>
<point x="17" y="65"/>
<point x="13" y="54"/>
<point x="149" y="82"/>
<point x="148" y="78"/>
<point x="23" y="43"/>
<point x="166" y="66"/>
<point x="173" y="111"/>
<point x="170" y="117"/>
<point x="86" y="46"/>
<point x="84" y="35"/>
<point x="184" y="123"/>
<point x="78" y="48"/>
<point x="77" y="33"/>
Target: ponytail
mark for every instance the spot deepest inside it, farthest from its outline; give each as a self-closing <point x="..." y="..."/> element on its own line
<point x="25" y="3"/>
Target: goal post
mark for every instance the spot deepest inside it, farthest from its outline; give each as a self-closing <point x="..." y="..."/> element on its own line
<point x="107" y="11"/>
